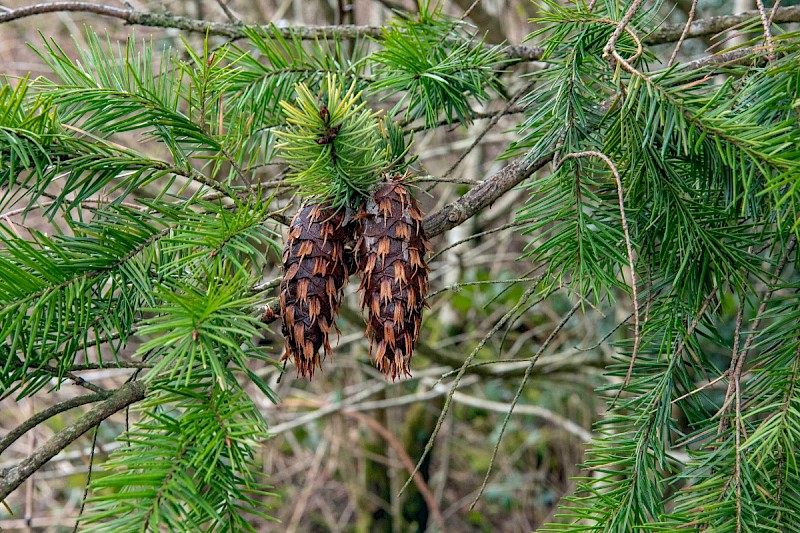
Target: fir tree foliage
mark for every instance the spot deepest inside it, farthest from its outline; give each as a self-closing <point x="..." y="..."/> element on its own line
<point x="708" y="172"/>
<point x="145" y="162"/>
<point x="431" y="61"/>
<point x="167" y="249"/>
<point x="23" y="122"/>
<point x="332" y="141"/>
<point x="332" y="144"/>
<point x="398" y="146"/>
<point x="270" y="67"/>
<point x="197" y="438"/>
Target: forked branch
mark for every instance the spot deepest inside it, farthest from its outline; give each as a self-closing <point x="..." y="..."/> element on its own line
<point x="13" y="477"/>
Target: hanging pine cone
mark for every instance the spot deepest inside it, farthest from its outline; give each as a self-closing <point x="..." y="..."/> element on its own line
<point x="391" y="255"/>
<point x="311" y="289"/>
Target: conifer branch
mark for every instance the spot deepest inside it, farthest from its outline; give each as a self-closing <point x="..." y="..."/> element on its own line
<point x="124" y="396"/>
<point x="481" y="196"/>
<point x="138" y="17"/>
<point x="637" y="336"/>
<point x="50" y="412"/>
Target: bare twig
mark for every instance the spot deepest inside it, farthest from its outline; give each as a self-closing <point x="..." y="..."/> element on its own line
<point x="665" y="34"/>
<point x="55" y="372"/>
<point x="713" y="25"/>
<point x="606" y="336"/>
<point x="683" y="33"/>
<point x="488" y="127"/>
<point x="165" y="20"/>
<point x="88" y="480"/>
<point x="457" y="286"/>
<point x="482" y="195"/>
<point x="471" y="237"/>
<point x="775" y="7"/>
<point x="477" y="115"/>
<point x="487" y="21"/>
<point x="740" y="55"/>
<point x="460" y="375"/>
<point x="701" y="388"/>
<point x="223" y="4"/>
<point x="765" y="22"/>
<point x="520" y="388"/>
<point x="738" y="357"/>
<point x="629" y="247"/>
<point x="13" y="477"/>
<point x="528" y="410"/>
<point x="622" y="26"/>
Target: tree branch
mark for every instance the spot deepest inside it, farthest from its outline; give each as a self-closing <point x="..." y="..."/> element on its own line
<point x="120" y="399"/>
<point x="740" y="55"/>
<point x="668" y="33"/>
<point x="481" y="196"/>
<point x="51" y="411"/>
<point x="166" y="20"/>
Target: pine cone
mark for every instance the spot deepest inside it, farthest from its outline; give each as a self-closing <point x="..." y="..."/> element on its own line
<point x="315" y="273"/>
<point x="391" y="255"/>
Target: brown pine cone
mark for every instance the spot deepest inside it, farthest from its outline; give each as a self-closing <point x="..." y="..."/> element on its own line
<point x="315" y="273"/>
<point x="391" y="256"/>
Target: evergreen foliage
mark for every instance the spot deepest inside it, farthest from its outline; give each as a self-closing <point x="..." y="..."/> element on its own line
<point x="170" y="254"/>
<point x="674" y="187"/>
<point x="168" y="248"/>
<point x="432" y="63"/>
<point x="332" y="145"/>
<point x="709" y="170"/>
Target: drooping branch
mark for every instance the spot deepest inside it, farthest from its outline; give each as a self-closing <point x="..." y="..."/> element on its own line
<point x="13" y="477"/>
